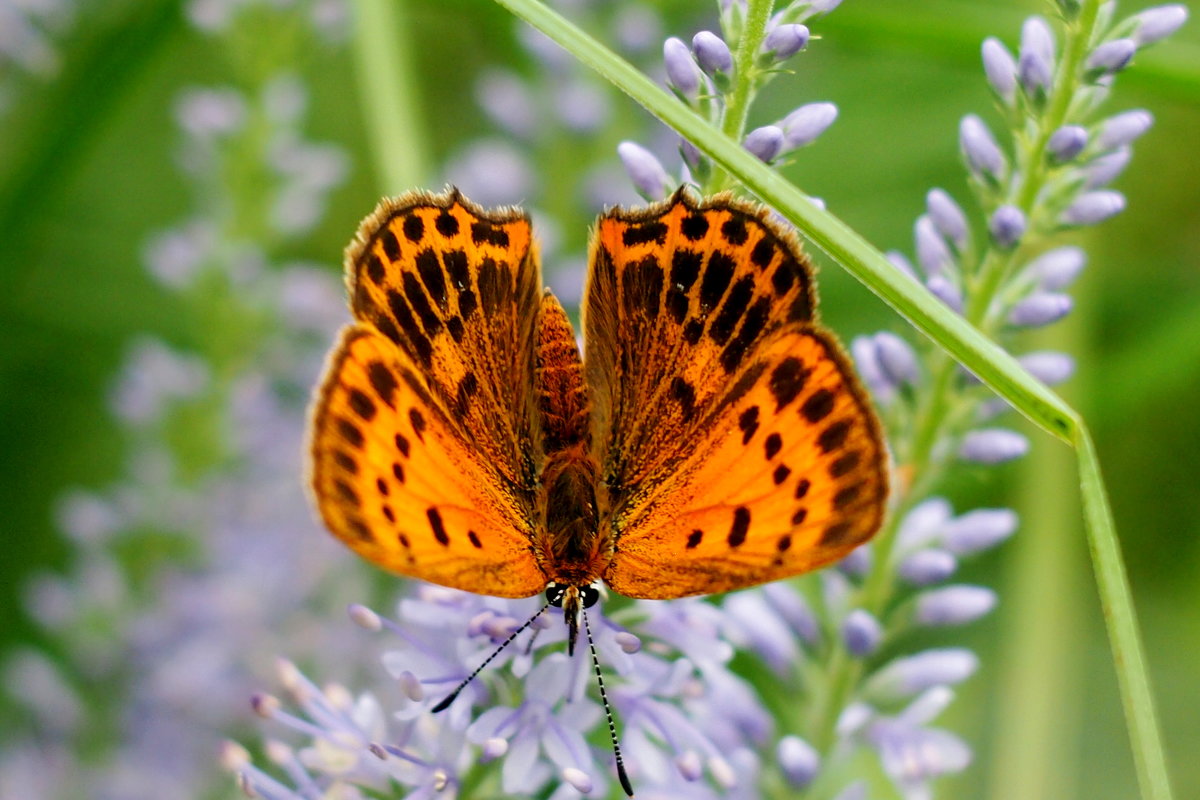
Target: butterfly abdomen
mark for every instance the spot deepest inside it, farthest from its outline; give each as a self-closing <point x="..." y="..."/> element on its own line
<point x="571" y="548"/>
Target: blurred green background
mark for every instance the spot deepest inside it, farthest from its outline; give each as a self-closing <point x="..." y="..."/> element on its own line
<point x="88" y="171"/>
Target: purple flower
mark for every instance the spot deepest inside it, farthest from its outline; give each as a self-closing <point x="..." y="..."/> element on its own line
<point x="933" y="255"/>
<point x="1000" y="68"/>
<point x="765" y="143"/>
<point x="1048" y="366"/>
<point x="929" y="566"/>
<point x="798" y="760"/>
<point x="993" y="446"/>
<point x="909" y="676"/>
<point x="947" y="217"/>
<point x="947" y="292"/>
<point x="913" y="754"/>
<point x="1123" y="128"/>
<point x="802" y="126"/>
<point x="861" y="632"/>
<point x="1158" y="23"/>
<point x="980" y="149"/>
<point x="1035" y="65"/>
<point x="682" y="72"/>
<point x="954" y="605"/>
<point x="979" y="530"/>
<point x="784" y="41"/>
<point x="1102" y="170"/>
<point x="897" y="359"/>
<point x="1095" y="206"/>
<point x="1067" y="142"/>
<point x="712" y="54"/>
<point x="647" y="174"/>
<point x="1058" y="268"/>
<point x="1007" y="226"/>
<point x="1111" y="56"/>
<point x="508" y="101"/>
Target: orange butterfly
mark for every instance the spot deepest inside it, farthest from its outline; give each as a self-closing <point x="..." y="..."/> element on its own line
<point x="715" y="436"/>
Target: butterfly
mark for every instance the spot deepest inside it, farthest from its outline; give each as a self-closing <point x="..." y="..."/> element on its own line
<point x="713" y="437"/>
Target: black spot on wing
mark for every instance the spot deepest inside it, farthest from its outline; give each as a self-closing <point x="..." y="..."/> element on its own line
<point x="694" y="226"/>
<point x="350" y="432"/>
<point x="483" y="232"/>
<point x="835" y="534"/>
<point x="435" y="525"/>
<point x="732" y="309"/>
<point x="818" y="406"/>
<point x="375" y="269"/>
<point x="763" y="253"/>
<point x="834" y="436"/>
<point x="446" y="223"/>
<point x="844" y="464"/>
<point x="748" y="423"/>
<point x="391" y="247"/>
<point x="643" y="287"/>
<point x="383" y="381"/>
<point x="414" y="340"/>
<point x="683" y="393"/>
<point x="645" y="232"/>
<point x="362" y="405"/>
<point x="694" y="539"/>
<point x="414" y="228"/>
<point x="787" y="381"/>
<point x="772" y="445"/>
<point x="717" y="276"/>
<point x="417" y="419"/>
<point x="740" y="527"/>
<point x="734" y="230"/>
<point x="457" y="269"/>
<point x="846" y="496"/>
<point x="415" y="294"/>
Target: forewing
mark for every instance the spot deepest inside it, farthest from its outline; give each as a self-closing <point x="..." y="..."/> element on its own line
<point x="702" y="353"/>
<point x="396" y="478"/>
<point x="457" y="289"/>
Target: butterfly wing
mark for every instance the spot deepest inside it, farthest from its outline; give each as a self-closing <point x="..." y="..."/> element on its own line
<point x="736" y="446"/>
<point x="422" y="453"/>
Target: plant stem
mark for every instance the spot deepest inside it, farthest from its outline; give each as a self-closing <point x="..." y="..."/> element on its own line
<point x="388" y="94"/>
<point x="745" y="76"/>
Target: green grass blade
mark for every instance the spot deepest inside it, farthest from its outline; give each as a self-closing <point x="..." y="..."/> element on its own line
<point x="988" y="361"/>
<point x="387" y="94"/>
<point x="992" y="364"/>
<point x="1124" y="635"/>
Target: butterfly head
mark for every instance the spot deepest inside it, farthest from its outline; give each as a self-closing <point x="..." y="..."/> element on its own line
<point x="571" y="599"/>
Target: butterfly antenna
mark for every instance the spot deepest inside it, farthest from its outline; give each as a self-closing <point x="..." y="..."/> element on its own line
<point x="448" y="699"/>
<point x="612" y="726"/>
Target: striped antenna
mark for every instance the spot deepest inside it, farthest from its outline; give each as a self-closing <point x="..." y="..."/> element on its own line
<point x="448" y="699"/>
<point x="612" y="726"/>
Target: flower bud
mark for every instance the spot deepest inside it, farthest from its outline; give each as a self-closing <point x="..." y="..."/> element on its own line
<point x="784" y="41"/>
<point x="712" y="54"/>
<point x="993" y="446"/>
<point x="682" y="72"/>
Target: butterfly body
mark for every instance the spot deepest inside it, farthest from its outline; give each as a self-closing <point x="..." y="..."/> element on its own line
<point x="714" y="437"/>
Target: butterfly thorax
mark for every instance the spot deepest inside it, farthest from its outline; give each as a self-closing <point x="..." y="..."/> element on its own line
<point x="572" y="550"/>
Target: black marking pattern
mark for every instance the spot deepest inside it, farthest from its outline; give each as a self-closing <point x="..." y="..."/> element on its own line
<point x="740" y="527"/>
<point x="436" y="525"/>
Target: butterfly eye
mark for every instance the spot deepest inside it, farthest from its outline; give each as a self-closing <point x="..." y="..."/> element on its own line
<point x="588" y="595"/>
<point x="555" y="593"/>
